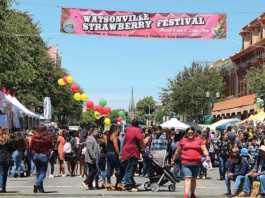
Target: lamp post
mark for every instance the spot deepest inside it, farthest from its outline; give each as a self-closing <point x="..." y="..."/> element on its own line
<point x="212" y="98"/>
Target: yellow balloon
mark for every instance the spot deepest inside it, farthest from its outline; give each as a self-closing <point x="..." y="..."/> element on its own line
<point x="84" y="97"/>
<point x="107" y="121"/>
<point x="61" y="82"/>
<point x="77" y="96"/>
<point x="97" y="115"/>
<point x="69" y="79"/>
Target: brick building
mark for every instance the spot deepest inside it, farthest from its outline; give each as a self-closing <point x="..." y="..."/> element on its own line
<point x="239" y="99"/>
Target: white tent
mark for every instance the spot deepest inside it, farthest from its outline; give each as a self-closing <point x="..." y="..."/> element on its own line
<point x="21" y="107"/>
<point x="174" y="123"/>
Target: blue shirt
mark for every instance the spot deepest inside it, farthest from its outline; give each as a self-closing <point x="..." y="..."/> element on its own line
<point x="159" y="143"/>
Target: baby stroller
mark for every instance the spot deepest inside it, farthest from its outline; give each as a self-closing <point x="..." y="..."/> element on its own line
<point x="159" y="173"/>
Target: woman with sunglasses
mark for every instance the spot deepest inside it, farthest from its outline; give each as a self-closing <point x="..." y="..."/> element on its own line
<point x="190" y="150"/>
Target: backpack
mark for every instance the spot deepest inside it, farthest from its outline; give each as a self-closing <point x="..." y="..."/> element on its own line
<point x="67" y="148"/>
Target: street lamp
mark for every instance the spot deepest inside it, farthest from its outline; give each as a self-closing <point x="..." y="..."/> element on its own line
<point x="212" y="99"/>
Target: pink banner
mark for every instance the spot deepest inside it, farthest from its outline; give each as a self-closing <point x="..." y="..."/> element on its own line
<point x="137" y="24"/>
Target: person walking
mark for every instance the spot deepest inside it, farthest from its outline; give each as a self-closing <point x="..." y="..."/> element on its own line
<point x="191" y="148"/>
<point x="113" y="153"/>
<point x="61" y="142"/>
<point x="91" y="158"/>
<point x="41" y="145"/>
<point x="6" y="149"/>
<point x="133" y="143"/>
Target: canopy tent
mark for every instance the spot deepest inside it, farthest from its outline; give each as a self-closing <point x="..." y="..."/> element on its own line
<point x="259" y="117"/>
<point x="215" y="125"/>
<point x="21" y="108"/>
<point x="174" y="123"/>
<point x="229" y="122"/>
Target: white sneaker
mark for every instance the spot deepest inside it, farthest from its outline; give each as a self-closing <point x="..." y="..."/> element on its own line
<point x="64" y="175"/>
<point x="85" y="185"/>
<point x="51" y="176"/>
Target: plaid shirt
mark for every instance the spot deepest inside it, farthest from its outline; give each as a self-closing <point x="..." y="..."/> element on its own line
<point x="159" y="143"/>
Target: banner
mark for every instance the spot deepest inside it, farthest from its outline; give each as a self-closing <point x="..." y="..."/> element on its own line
<point x="136" y="24"/>
<point x="47" y="108"/>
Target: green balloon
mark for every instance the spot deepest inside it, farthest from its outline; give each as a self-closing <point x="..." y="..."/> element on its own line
<point x="121" y="113"/>
<point x="103" y="102"/>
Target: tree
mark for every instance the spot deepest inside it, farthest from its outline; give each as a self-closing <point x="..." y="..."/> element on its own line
<point x="25" y="67"/>
<point x="88" y="117"/>
<point x="256" y="81"/>
<point x="186" y="93"/>
<point x="146" y="105"/>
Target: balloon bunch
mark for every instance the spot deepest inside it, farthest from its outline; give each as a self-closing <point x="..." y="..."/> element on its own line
<point x="68" y="80"/>
<point x="100" y="110"/>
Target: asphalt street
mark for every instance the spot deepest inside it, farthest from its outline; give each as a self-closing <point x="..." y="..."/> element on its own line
<point x="71" y="187"/>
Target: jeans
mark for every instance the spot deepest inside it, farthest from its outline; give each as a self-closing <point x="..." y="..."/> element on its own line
<point x="222" y="165"/>
<point x="41" y="162"/>
<point x="113" y="163"/>
<point x="146" y="167"/>
<point x="130" y="166"/>
<point x="3" y="175"/>
<point x="17" y="167"/>
<point x="261" y="179"/>
<point x="240" y="181"/>
<point x="91" y="174"/>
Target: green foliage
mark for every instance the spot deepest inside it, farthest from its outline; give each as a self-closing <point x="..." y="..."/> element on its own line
<point x="26" y="67"/>
<point x="88" y="117"/>
<point x="186" y="93"/>
<point x="146" y="105"/>
<point x="256" y="81"/>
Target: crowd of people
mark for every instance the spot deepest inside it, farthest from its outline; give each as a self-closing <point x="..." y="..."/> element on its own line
<point x="98" y="155"/>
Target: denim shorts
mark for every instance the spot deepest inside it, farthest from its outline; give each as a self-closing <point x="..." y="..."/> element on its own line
<point x="190" y="170"/>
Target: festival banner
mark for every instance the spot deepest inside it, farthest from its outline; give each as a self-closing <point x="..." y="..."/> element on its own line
<point x="138" y="24"/>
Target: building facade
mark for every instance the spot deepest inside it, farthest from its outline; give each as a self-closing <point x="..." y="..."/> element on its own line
<point x="239" y="99"/>
<point x="54" y="55"/>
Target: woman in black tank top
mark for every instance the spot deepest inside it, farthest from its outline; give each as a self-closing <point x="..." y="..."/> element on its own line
<point x="113" y="153"/>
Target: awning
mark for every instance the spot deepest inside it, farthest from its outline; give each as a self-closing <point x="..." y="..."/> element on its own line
<point x="21" y="107"/>
<point x="235" y="105"/>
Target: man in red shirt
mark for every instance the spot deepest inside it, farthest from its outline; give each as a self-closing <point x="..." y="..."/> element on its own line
<point x="133" y="143"/>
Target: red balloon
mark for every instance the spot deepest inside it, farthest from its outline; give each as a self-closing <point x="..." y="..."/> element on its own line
<point x="108" y="110"/>
<point x="99" y="109"/>
<point x="74" y="88"/>
<point x="89" y="104"/>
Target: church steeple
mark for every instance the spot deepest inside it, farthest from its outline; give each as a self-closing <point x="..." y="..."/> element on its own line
<point x="132" y="104"/>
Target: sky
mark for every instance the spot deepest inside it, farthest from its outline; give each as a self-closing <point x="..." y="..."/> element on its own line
<point x="108" y="67"/>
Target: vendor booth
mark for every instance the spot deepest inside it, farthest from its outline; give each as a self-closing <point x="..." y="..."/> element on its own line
<point x="13" y="114"/>
<point x="174" y="123"/>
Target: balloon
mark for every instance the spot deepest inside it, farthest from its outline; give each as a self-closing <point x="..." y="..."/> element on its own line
<point x="107" y="121"/>
<point x="68" y="79"/>
<point x="98" y="108"/>
<point x="103" y="102"/>
<point x="89" y="104"/>
<point x="83" y="97"/>
<point x="121" y="113"/>
<point x="97" y="115"/>
<point x="61" y="82"/>
<point x="77" y="96"/>
<point x="74" y="88"/>
<point x="108" y="110"/>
